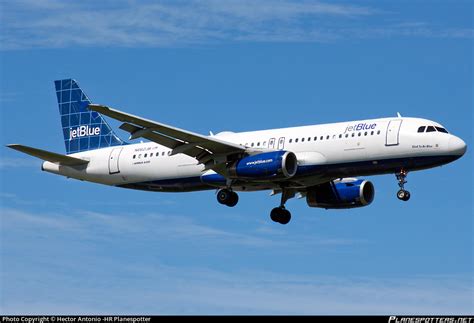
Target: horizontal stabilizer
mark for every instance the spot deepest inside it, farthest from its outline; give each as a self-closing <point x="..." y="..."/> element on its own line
<point x="49" y="156"/>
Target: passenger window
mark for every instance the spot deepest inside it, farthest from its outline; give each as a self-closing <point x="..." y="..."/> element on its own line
<point x="360" y="134"/>
<point x="309" y="138"/>
<point x="140" y="156"/>
<point x="421" y="129"/>
<point x="340" y="136"/>
<point x="441" y="130"/>
<point x="258" y="144"/>
<point x="296" y="140"/>
<point x="291" y="140"/>
<point x="252" y="144"/>
<point x="365" y="133"/>
<point x="145" y="155"/>
<point x="327" y="137"/>
<point x="169" y="153"/>
<point x="353" y="134"/>
<point x="321" y="138"/>
<point x="347" y="135"/>
<point x="134" y="156"/>
<point x="315" y="138"/>
<point x="302" y="139"/>
<point x="378" y="132"/>
<point x="430" y="129"/>
<point x="163" y="153"/>
<point x="264" y="143"/>
<point x="371" y="133"/>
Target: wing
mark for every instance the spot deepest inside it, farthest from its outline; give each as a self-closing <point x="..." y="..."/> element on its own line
<point x="209" y="151"/>
<point x="49" y="156"/>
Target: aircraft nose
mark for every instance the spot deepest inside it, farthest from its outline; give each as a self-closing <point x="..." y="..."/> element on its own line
<point x="457" y="146"/>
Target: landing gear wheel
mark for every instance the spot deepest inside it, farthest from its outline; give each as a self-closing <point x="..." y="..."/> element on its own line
<point x="227" y="197"/>
<point x="280" y="215"/>
<point x="275" y="214"/>
<point x="286" y="217"/>
<point x="223" y="196"/>
<point x="234" y="199"/>
<point x="403" y="195"/>
<point x="407" y="196"/>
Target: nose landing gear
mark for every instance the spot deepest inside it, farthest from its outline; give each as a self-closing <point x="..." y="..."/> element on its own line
<point x="402" y="194"/>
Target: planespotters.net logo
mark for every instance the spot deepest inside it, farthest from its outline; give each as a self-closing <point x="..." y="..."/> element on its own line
<point x="404" y="319"/>
<point x="83" y="131"/>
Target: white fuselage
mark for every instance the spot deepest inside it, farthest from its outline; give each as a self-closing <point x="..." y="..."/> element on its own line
<point x="324" y="152"/>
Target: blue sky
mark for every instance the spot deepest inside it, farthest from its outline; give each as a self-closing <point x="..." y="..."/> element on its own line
<point x="74" y="247"/>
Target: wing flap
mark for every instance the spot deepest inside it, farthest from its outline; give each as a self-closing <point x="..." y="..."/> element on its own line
<point x="49" y="156"/>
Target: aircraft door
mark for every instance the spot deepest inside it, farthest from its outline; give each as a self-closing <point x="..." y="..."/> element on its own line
<point x="114" y="160"/>
<point x="281" y="143"/>
<point x="393" y="130"/>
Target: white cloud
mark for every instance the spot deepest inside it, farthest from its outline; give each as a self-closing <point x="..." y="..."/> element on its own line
<point x="163" y="289"/>
<point x="79" y="262"/>
<point x="149" y="225"/>
<point x="57" y="24"/>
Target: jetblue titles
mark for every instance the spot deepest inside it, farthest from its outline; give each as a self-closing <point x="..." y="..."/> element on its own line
<point x="83" y="131"/>
<point x="361" y="126"/>
<point x="260" y="161"/>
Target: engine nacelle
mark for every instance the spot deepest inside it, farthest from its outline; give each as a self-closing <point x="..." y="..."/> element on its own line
<point x="341" y="195"/>
<point x="274" y="165"/>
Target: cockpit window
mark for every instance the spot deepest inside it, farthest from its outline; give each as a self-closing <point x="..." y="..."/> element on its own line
<point x="430" y="129"/>
<point x="441" y="130"/>
<point x="421" y="129"/>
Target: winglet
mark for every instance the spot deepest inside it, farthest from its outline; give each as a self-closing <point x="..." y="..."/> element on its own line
<point x="399" y="115"/>
<point x="49" y="156"/>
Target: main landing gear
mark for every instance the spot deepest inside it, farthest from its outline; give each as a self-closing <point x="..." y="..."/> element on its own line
<point x="281" y="214"/>
<point x="227" y="197"/>
<point x="402" y="194"/>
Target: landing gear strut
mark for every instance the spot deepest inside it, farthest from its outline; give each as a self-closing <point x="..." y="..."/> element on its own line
<point x="281" y="214"/>
<point x="227" y="197"/>
<point x="402" y="194"/>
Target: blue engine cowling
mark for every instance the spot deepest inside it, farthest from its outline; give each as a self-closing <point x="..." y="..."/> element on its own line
<point x="270" y="165"/>
<point x="341" y="195"/>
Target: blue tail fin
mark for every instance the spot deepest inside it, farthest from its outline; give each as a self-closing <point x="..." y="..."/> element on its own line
<point x="83" y="129"/>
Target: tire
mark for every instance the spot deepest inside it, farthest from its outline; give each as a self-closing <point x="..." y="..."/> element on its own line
<point x="407" y="196"/>
<point x="401" y="195"/>
<point x="233" y="200"/>
<point x="280" y="215"/>
<point x="223" y="196"/>
<point x="286" y="217"/>
<point x="275" y="215"/>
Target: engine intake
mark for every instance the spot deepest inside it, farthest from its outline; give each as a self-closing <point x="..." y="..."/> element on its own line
<point x="341" y="195"/>
<point x="275" y="164"/>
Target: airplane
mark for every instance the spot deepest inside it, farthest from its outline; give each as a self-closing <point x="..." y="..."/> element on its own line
<point x="321" y="163"/>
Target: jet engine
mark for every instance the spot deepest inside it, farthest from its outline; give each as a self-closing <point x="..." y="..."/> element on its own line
<point x="344" y="194"/>
<point x="270" y="165"/>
